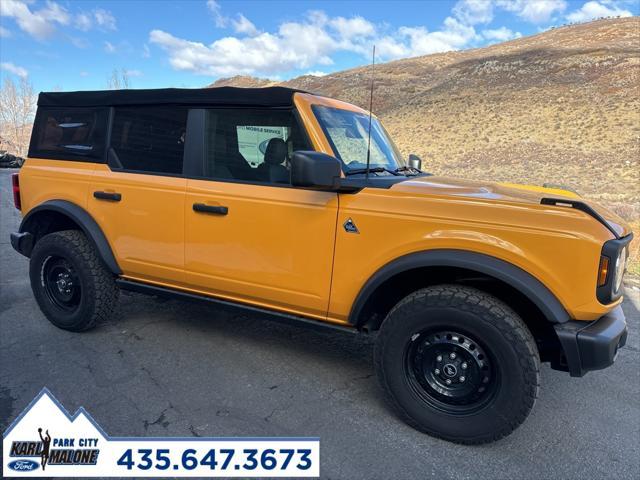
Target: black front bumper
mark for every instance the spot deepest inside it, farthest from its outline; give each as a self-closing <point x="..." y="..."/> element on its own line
<point x="592" y="345"/>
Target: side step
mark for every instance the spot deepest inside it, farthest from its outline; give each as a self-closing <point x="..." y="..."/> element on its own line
<point x="227" y="305"/>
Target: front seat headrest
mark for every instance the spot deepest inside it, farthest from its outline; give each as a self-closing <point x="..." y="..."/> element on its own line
<point x="276" y="152"/>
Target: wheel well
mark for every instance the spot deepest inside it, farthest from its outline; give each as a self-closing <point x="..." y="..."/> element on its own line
<point x="48" y="221"/>
<point x="394" y="289"/>
<point x="56" y="215"/>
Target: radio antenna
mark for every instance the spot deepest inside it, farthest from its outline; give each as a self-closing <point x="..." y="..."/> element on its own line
<point x="373" y="64"/>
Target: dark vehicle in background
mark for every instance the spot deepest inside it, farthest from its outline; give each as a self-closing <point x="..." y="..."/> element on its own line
<point x="8" y="160"/>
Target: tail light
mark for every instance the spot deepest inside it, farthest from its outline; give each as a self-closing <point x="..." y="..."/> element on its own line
<point x="15" y="182"/>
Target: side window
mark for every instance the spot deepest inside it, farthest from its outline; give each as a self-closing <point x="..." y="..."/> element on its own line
<point x="69" y="134"/>
<point x="149" y="139"/>
<point x="251" y="145"/>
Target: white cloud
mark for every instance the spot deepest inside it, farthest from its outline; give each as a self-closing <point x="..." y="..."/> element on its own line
<point x="4" y="33"/>
<point x="472" y="12"/>
<point x="214" y="7"/>
<point x="42" y="23"/>
<point x="294" y="45"/>
<point x="84" y="74"/>
<point x="15" y="69"/>
<point x="146" y="53"/>
<point x="244" y="25"/>
<point x="501" y="34"/>
<point x="104" y="19"/>
<point x="593" y="9"/>
<point x="133" y="73"/>
<point x="453" y="36"/>
<point x="350" y="28"/>
<point x="534" y="11"/>
<point x="79" y="42"/>
<point x="35" y="24"/>
<point x="109" y="47"/>
<point x="83" y="22"/>
<point x="55" y="13"/>
<point x="316" y="73"/>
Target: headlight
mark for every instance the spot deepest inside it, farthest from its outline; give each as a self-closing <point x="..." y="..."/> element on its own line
<point x="621" y="263"/>
<point x="613" y="262"/>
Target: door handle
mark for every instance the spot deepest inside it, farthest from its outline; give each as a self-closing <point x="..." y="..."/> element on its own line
<point x="111" y="196"/>
<point x="215" y="210"/>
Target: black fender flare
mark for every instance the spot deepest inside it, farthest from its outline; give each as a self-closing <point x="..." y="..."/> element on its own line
<point x="518" y="278"/>
<point x="86" y="222"/>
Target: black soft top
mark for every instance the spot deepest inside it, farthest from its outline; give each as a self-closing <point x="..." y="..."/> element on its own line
<point x="227" y="96"/>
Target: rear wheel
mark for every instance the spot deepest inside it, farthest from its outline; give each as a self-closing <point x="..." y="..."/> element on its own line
<point x="71" y="284"/>
<point x="458" y="364"/>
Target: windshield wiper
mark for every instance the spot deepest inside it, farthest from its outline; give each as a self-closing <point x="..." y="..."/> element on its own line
<point x="406" y="168"/>
<point x="357" y="171"/>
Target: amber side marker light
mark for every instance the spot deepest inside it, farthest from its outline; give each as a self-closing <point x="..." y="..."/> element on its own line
<point x="603" y="270"/>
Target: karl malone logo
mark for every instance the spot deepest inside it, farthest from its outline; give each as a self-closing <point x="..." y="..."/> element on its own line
<point x="30" y="446"/>
<point x="63" y="452"/>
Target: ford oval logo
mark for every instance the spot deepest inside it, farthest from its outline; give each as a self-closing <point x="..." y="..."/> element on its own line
<point x="23" y="465"/>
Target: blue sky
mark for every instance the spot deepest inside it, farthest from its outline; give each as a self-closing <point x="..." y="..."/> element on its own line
<point x="75" y="45"/>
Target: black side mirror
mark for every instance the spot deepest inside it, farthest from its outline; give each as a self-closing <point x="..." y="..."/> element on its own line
<point x="415" y="162"/>
<point x="315" y="170"/>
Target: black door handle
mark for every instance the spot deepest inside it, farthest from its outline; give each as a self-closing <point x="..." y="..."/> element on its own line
<point x="203" y="208"/>
<point x="113" y="197"/>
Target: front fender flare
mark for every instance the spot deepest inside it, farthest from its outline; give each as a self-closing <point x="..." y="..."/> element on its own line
<point x="518" y="278"/>
<point x="84" y="220"/>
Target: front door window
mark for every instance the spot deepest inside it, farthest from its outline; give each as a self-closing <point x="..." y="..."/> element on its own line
<point x="251" y="145"/>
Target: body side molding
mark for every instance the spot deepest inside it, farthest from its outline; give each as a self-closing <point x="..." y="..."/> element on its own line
<point x="86" y="222"/>
<point x="519" y="279"/>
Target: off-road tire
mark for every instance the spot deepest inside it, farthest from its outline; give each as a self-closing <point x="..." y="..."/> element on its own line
<point x="99" y="293"/>
<point x="496" y="326"/>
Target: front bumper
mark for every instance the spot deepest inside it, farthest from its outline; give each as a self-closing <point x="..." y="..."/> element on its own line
<point x="592" y="345"/>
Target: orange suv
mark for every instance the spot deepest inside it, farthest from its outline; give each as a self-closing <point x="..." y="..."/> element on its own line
<point x="301" y="207"/>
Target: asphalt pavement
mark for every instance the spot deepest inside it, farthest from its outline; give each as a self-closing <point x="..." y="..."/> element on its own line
<point x="174" y="368"/>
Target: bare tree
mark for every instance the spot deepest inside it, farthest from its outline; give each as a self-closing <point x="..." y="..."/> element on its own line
<point x="17" y="107"/>
<point x="118" y="80"/>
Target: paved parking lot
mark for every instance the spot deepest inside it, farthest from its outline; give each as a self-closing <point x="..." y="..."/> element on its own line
<point x="172" y="368"/>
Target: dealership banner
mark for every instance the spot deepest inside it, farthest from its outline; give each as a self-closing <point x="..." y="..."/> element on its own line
<point x="46" y="441"/>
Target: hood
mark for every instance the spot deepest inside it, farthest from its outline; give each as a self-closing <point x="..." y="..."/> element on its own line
<point x="504" y="192"/>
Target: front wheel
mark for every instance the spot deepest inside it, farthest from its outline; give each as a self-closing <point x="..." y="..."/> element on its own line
<point x="458" y="364"/>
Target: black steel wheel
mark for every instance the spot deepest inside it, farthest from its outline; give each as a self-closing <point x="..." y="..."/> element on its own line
<point x="61" y="283"/>
<point x="458" y="363"/>
<point x="451" y="371"/>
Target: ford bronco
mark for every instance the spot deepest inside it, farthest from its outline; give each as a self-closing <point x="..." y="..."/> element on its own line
<point x="301" y="207"/>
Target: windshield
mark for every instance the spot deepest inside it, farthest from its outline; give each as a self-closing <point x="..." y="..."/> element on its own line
<point x="347" y="133"/>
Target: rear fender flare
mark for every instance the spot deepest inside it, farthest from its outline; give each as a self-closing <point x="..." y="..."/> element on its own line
<point x="84" y="220"/>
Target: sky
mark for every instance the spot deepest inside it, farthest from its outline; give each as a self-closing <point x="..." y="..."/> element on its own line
<point x="76" y="45"/>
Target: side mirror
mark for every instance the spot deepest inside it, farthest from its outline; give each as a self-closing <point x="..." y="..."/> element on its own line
<point x="315" y="170"/>
<point x="415" y="162"/>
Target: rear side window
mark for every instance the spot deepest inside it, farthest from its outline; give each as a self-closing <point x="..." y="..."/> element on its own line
<point x="149" y="139"/>
<point x="69" y="134"/>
